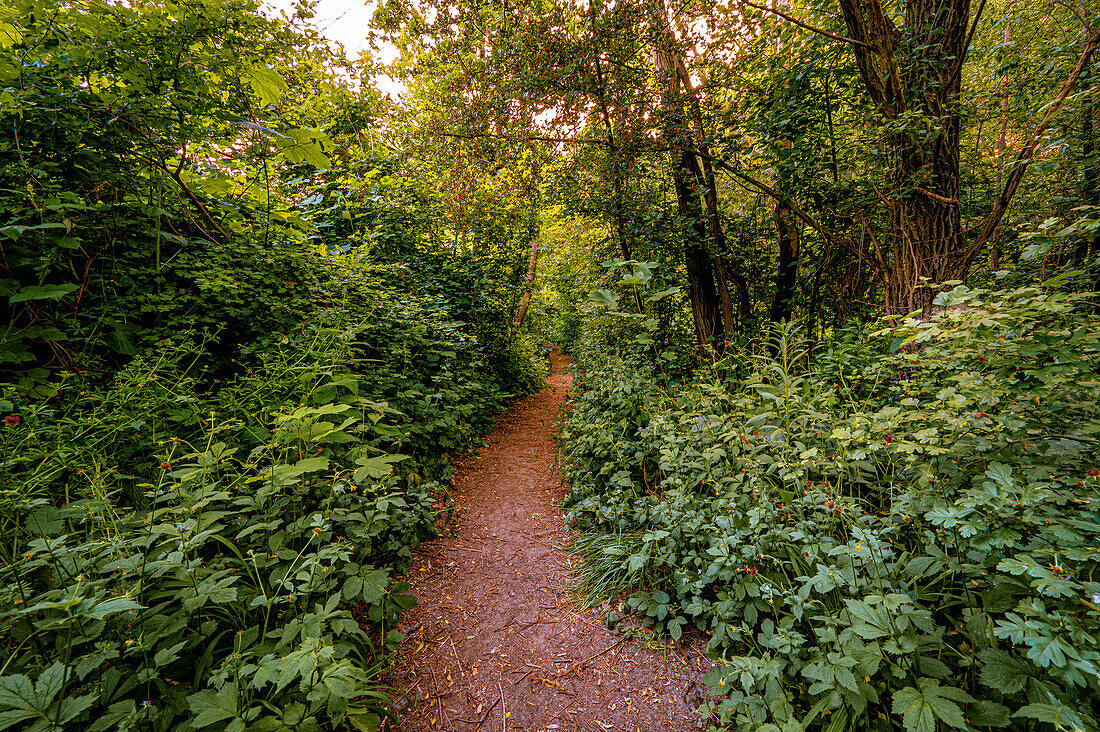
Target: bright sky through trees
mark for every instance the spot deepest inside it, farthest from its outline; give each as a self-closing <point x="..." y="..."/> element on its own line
<point x="346" y="21"/>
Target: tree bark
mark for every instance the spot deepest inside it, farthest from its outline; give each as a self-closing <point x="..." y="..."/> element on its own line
<point x="927" y="245"/>
<point x="786" y="275"/>
<point x="687" y="176"/>
<point x="1090" y="178"/>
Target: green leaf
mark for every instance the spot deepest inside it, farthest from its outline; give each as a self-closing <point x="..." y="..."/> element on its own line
<point x="916" y="713"/>
<point x="1012" y="566"/>
<point x="1000" y="474"/>
<point x="376" y="467"/>
<point x="867" y="622"/>
<point x="290" y="473"/>
<point x="12" y="717"/>
<point x="305" y="145"/>
<point x="1059" y="715"/>
<point x="920" y="708"/>
<point x="604" y="297"/>
<point x="374" y="586"/>
<point x="1004" y="672"/>
<point x="988" y="714"/>
<point x="212" y="707"/>
<point x="49" y="684"/>
<point x="9" y="36"/>
<point x="267" y="84"/>
<point x="364" y="721"/>
<point x="42" y="292"/>
<point x="114" y="606"/>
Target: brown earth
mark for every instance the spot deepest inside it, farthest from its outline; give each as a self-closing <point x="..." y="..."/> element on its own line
<point x="497" y="642"/>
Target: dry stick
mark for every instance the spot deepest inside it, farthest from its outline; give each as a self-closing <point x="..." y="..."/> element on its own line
<point x="442" y="694"/>
<point x="594" y="656"/>
<point x="506" y="624"/>
<point x="503" y="707"/>
<point x="558" y="713"/>
<point x="461" y="668"/>
<point x="528" y="673"/>
<point x="437" y="699"/>
<point x="482" y="721"/>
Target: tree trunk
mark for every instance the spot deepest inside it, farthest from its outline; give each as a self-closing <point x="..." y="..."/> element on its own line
<point x="786" y="275"/>
<point x="706" y="309"/>
<point x="1002" y="145"/>
<point x="926" y="246"/>
<point x="706" y="305"/>
<point x="613" y="151"/>
<point x="1090" y="178"/>
<point x="529" y="282"/>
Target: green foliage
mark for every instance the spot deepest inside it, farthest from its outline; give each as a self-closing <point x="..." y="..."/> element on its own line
<point x="225" y="429"/>
<point x="224" y="559"/>
<point x="140" y="154"/>
<point x="899" y="529"/>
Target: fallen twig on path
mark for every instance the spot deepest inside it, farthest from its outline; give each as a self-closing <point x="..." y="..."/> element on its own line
<point x="442" y="694"/>
<point x="438" y="701"/>
<point x="503" y="708"/>
<point x="481" y="721"/>
<point x="594" y="656"/>
<point x="528" y="673"/>
<point x="558" y="713"/>
<point x="461" y="668"/>
<point x="506" y="624"/>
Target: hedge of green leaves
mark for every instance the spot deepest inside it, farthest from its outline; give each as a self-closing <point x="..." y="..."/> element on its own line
<point x="903" y="529"/>
<point x="181" y="553"/>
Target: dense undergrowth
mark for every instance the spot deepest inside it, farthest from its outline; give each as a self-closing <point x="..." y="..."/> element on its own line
<point x="869" y="535"/>
<point x="186" y="554"/>
<point x="234" y="360"/>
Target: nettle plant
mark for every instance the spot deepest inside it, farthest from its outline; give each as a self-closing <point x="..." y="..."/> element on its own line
<point x="903" y="528"/>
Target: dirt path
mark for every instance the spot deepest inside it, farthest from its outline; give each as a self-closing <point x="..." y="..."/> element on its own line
<point x="495" y="629"/>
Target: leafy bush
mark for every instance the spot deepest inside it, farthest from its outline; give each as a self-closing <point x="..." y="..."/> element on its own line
<point x="185" y="558"/>
<point x="895" y="534"/>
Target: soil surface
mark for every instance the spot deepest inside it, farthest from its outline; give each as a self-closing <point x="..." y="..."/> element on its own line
<point x="497" y="642"/>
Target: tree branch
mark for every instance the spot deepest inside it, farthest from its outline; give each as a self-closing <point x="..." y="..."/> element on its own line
<point x="807" y="26"/>
<point x="1023" y="160"/>
<point x="810" y="221"/>
<point x="966" y="46"/>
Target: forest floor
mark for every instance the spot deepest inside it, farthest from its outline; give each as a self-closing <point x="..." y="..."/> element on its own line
<point x="497" y="641"/>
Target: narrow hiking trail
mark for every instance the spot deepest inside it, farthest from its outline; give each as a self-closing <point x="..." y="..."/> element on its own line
<point x="496" y="641"/>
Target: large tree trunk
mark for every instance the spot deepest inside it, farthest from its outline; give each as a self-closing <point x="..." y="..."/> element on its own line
<point x="916" y="90"/>
<point x="926" y="245"/>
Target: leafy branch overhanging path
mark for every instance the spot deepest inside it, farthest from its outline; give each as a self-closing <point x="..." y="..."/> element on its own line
<point x="496" y="633"/>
